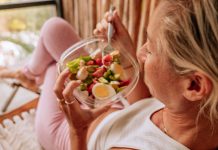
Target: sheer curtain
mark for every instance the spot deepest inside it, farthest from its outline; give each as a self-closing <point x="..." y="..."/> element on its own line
<point x="85" y="14"/>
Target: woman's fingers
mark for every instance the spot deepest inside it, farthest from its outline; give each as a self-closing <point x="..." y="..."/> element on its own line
<point x="59" y="84"/>
<point x="101" y="28"/>
<point x="106" y="15"/>
<point x="76" y="116"/>
<point x="68" y="91"/>
<point x="95" y="32"/>
<point x="69" y="101"/>
<point x="104" y="24"/>
<point x="117" y="22"/>
<point x="69" y="97"/>
<point x="58" y="89"/>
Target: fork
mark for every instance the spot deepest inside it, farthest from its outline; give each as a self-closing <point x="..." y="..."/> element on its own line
<point x="109" y="47"/>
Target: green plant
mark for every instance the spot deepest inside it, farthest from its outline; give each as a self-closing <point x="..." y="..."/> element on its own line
<point x="27" y="47"/>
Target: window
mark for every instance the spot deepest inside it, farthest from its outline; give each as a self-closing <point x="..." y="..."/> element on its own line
<point x="21" y="21"/>
<point x="20" y="24"/>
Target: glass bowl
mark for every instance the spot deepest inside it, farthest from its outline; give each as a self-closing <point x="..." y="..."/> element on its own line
<point x="87" y="47"/>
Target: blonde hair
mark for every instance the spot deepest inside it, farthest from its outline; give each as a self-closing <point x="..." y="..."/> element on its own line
<point x="189" y="33"/>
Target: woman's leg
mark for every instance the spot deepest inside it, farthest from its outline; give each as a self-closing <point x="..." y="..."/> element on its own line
<point x="51" y="126"/>
<point x="55" y="37"/>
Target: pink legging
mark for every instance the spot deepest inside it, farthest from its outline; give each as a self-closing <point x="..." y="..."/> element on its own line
<point x="51" y="127"/>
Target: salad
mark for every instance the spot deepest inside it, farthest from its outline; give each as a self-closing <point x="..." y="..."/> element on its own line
<point x="101" y="77"/>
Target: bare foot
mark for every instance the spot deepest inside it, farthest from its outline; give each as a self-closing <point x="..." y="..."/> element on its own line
<point x="20" y="76"/>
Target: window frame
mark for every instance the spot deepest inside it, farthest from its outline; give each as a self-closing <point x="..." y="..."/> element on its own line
<point x="31" y="3"/>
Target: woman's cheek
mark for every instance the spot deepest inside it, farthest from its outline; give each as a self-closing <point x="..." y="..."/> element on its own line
<point x="149" y="77"/>
<point x="141" y="59"/>
<point x="150" y="70"/>
<point x="146" y="73"/>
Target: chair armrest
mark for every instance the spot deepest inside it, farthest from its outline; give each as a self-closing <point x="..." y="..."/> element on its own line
<point x="19" y="110"/>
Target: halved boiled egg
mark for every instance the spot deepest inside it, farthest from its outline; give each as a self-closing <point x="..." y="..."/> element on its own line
<point x="118" y="69"/>
<point x="103" y="91"/>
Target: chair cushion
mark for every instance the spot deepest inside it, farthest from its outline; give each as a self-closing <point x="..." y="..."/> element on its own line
<point x="18" y="133"/>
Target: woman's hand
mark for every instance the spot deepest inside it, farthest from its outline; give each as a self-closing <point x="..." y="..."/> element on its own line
<point x="78" y="118"/>
<point x="121" y="34"/>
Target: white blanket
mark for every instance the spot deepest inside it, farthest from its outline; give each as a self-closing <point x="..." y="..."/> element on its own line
<point x="19" y="135"/>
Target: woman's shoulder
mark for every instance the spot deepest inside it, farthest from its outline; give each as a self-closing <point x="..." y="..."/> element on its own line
<point x="132" y="128"/>
<point x="133" y="112"/>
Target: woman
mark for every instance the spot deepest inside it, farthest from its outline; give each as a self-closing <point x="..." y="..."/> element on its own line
<point x="180" y="62"/>
<point x="180" y="69"/>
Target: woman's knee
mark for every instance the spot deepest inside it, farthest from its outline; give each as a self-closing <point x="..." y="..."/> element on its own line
<point x="57" y="35"/>
<point x="55" y="24"/>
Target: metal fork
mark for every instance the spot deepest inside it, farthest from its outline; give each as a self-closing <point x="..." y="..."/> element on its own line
<point x="109" y="47"/>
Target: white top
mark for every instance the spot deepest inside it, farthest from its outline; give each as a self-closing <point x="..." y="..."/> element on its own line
<point x="132" y="128"/>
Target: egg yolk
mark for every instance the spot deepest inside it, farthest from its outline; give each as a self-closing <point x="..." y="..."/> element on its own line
<point x="101" y="91"/>
<point x="118" y="69"/>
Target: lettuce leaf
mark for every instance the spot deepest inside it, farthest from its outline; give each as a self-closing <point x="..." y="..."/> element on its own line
<point x="74" y="65"/>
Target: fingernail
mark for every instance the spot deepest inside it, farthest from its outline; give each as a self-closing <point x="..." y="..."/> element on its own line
<point x="68" y="70"/>
<point x="78" y="81"/>
<point x="110" y="18"/>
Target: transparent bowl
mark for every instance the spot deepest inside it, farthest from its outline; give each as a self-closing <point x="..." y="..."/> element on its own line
<point x="88" y="46"/>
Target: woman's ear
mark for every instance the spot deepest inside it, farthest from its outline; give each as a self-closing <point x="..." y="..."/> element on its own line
<point x="197" y="86"/>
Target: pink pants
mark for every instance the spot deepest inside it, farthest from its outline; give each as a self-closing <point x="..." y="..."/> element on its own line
<point x="51" y="127"/>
